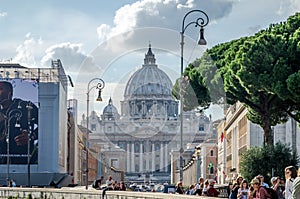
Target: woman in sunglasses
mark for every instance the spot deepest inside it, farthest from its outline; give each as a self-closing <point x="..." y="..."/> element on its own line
<point x="290" y="175"/>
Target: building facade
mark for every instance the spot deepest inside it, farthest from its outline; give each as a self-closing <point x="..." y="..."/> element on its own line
<point x="147" y="127"/>
<point x="50" y="85"/>
<point x="237" y="134"/>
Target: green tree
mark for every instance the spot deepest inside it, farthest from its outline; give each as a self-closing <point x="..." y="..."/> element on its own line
<point x="194" y="92"/>
<point x="268" y="159"/>
<point x="261" y="71"/>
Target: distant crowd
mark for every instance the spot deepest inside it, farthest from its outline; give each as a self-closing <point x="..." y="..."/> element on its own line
<point x="279" y="188"/>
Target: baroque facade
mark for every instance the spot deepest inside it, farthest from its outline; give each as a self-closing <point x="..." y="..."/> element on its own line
<point x="148" y="127"/>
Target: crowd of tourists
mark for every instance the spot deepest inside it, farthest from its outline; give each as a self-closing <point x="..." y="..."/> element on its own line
<point x="109" y="184"/>
<point x="257" y="188"/>
<point x="205" y="187"/>
<point x="279" y="188"/>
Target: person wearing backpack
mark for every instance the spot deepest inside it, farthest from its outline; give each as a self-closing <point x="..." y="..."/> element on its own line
<point x="290" y="175"/>
<point x="97" y="183"/>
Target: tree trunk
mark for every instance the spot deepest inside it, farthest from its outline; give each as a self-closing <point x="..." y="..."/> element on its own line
<point x="268" y="133"/>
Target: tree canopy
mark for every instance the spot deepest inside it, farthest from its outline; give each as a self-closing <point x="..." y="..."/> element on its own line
<point x="261" y="71"/>
<point x="265" y="160"/>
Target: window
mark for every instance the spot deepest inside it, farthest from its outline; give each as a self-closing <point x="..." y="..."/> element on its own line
<point x="201" y="127"/>
<point x="157" y="168"/>
<point x="211" y="152"/>
<point x="93" y="126"/>
<point x="113" y="163"/>
<point x="137" y="168"/>
<point x="136" y="147"/>
<point x="211" y="170"/>
<point x="157" y="147"/>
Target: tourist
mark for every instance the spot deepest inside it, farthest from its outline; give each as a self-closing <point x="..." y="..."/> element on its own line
<point x="275" y="181"/>
<point x="199" y="187"/>
<point x="243" y="190"/>
<point x="109" y="185"/>
<point x="12" y="183"/>
<point x="179" y="188"/>
<point x="122" y="186"/>
<point x="296" y="187"/>
<point x="259" y="191"/>
<point x="191" y="190"/>
<point x="290" y="175"/>
<point x="235" y="188"/>
<point x="261" y="177"/>
<point x="205" y="188"/>
<point x="98" y="182"/>
<point x="212" y="191"/>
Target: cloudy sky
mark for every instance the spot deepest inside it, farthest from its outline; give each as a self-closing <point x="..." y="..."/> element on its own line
<point x="108" y="39"/>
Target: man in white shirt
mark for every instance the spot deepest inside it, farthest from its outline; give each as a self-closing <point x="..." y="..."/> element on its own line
<point x="109" y="185"/>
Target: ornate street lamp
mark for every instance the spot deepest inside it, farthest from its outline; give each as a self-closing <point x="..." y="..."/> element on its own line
<point x="199" y="22"/>
<point x="199" y="161"/>
<point x="100" y="85"/>
<point x="29" y="108"/>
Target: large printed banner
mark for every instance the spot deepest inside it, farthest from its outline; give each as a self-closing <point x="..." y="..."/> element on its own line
<point x="18" y="121"/>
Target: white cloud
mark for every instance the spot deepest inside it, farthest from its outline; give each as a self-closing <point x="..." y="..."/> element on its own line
<point x="27" y="51"/>
<point x="160" y="13"/>
<point x="295" y="6"/>
<point x="70" y="54"/>
<point x="3" y="14"/>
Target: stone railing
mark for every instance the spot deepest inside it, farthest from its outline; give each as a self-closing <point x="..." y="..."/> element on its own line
<point x="81" y="193"/>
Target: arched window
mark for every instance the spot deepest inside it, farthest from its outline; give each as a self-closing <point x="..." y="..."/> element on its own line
<point x="211" y="152"/>
<point x="211" y="170"/>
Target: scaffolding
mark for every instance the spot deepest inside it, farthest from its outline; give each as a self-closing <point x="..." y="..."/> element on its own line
<point x="54" y="74"/>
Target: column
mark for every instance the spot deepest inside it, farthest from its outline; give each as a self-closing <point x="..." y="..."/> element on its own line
<point x="141" y="157"/>
<point x="153" y="157"/>
<point x="132" y="157"/>
<point x="166" y="157"/>
<point x="128" y="157"/>
<point x="161" y="156"/>
<point x="147" y="152"/>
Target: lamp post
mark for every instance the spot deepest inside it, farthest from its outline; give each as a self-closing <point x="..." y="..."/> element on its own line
<point x="100" y="85"/>
<point x="29" y="108"/>
<point x="14" y="113"/>
<point x="199" y="161"/>
<point x="201" y="22"/>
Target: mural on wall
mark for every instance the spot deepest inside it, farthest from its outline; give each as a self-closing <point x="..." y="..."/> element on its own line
<point x="18" y="121"/>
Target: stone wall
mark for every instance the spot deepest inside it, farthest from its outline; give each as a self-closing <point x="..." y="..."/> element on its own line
<point x="81" y="193"/>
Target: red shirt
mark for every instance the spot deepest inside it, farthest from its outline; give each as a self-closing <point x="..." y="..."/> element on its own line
<point x="262" y="193"/>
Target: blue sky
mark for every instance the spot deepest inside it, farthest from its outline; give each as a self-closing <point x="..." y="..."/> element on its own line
<point x="108" y="39"/>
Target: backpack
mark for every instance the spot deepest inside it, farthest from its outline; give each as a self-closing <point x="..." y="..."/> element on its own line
<point x="272" y="193"/>
<point x="94" y="184"/>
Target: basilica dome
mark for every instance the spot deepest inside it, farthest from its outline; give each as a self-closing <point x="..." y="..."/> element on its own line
<point x="110" y="111"/>
<point x="149" y="82"/>
<point x="148" y="93"/>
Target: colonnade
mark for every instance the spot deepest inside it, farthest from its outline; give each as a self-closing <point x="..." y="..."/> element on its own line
<point x="145" y="156"/>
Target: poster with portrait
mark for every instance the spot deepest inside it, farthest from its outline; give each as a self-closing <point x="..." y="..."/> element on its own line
<point x="18" y="121"/>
